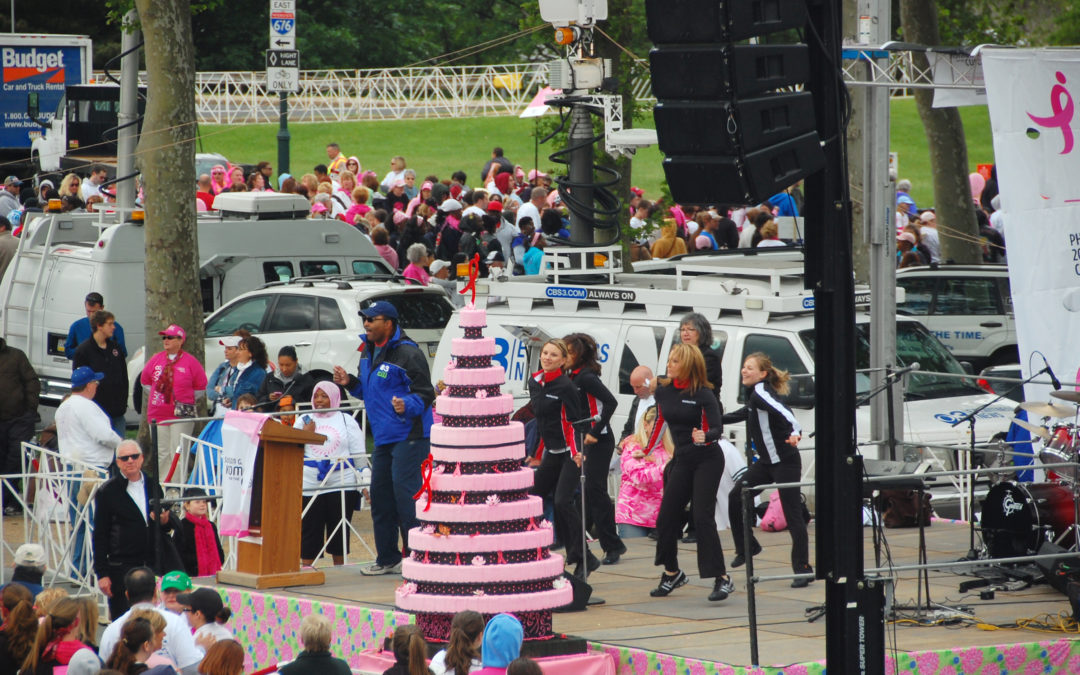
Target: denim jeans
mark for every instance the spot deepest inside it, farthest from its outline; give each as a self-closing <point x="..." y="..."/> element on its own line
<point x="630" y="531"/>
<point x="395" y="478"/>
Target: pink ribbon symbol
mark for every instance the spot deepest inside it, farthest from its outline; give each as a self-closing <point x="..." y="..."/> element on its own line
<point x="1061" y="104"/>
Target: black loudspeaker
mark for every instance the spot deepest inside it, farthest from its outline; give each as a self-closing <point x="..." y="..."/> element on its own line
<point x="1059" y="571"/>
<point x="689" y="21"/>
<point x="582" y="593"/>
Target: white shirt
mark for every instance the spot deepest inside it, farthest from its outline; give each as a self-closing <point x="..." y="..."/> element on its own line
<point x="88" y="189"/>
<point x="473" y="210"/>
<point x="214" y="630"/>
<point x="179" y="645"/>
<point x="529" y="209"/>
<point x="137" y="491"/>
<point x="84" y="432"/>
<point x="438" y="665"/>
<point x="391" y="178"/>
<point x="343" y="439"/>
<point x="929" y="237"/>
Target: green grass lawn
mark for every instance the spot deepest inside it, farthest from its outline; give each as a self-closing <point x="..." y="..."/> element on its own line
<point x="441" y="147"/>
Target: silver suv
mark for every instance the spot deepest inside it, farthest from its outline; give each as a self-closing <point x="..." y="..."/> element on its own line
<point x="967" y="307"/>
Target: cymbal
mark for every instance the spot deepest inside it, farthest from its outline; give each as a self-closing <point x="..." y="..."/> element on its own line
<point x="1071" y="396"/>
<point x="1035" y="429"/>
<point x="1048" y="409"/>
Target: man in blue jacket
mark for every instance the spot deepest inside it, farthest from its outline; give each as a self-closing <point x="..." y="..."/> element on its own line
<point x="395" y="383"/>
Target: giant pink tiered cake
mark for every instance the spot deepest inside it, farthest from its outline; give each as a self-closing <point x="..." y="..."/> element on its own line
<point x="483" y="542"/>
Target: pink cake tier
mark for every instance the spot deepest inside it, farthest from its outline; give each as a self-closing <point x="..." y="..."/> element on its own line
<point x="467" y="437"/>
<point x="472" y="347"/>
<point x="533" y="507"/>
<point x="471" y="317"/>
<point x="410" y="600"/>
<point x="475" y="377"/>
<point x="474" y="407"/>
<point x="456" y="543"/>
<point x="522" y="479"/>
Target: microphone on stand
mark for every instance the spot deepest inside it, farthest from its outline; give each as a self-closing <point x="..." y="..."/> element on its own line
<point x="1056" y="383"/>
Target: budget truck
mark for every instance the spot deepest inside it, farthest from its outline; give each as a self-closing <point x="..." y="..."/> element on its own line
<point x="38" y="69"/>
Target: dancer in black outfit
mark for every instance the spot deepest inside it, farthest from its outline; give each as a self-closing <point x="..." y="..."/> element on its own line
<point x="556" y="404"/>
<point x="694" y="329"/>
<point x="775" y="434"/>
<point x="599" y="441"/>
<point x="688" y="406"/>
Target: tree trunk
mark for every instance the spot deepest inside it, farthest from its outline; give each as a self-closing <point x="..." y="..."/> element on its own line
<point x="948" y="146"/>
<point x="166" y="159"/>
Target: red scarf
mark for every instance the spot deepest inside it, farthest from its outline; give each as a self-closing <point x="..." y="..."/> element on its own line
<point x="544" y="376"/>
<point x="164" y="384"/>
<point x="206" y="551"/>
<point x="680" y="384"/>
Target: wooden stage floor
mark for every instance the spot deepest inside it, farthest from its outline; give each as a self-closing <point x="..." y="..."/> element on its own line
<point x="686" y="624"/>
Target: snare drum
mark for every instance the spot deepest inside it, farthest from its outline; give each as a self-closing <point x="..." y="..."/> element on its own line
<point x="1017" y="518"/>
<point x="1062" y="446"/>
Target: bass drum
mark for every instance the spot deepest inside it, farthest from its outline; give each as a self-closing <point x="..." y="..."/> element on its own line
<point x="1017" y="518"/>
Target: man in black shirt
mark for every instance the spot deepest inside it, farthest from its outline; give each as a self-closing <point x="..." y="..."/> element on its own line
<point x="103" y="354"/>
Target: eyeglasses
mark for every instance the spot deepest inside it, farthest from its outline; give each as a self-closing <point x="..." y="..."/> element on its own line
<point x="127" y="458"/>
<point x="372" y="319"/>
<point x="170" y="337"/>
<point x="187" y="610"/>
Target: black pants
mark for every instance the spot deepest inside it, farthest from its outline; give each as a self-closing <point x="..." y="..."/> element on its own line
<point x="597" y="501"/>
<point x="320" y="522"/>
<point x="118" y="603"/>
<point x="694" y="474"/>
<point x="557" y="473"/>
<point x="787" y="471"/>
<point x="12" y="434"/>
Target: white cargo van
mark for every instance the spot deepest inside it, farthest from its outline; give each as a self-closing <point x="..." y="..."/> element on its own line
<point x="754" y="303"/>
<point x="254" y="239"/>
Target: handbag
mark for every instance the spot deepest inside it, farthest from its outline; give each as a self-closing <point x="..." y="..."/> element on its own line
<point x="183" y="409"/>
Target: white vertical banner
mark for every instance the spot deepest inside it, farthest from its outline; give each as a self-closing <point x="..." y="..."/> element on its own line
<point x="239" y="445"/>
<point x="1034" y="119"/>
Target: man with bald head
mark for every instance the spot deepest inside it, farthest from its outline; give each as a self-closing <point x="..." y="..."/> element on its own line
<point x="643" y="382"/>
<point x="124" y="535"/>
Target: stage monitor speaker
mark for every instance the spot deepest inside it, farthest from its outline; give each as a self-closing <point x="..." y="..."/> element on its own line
<point x="690" y="21"/>
<point x="1059" y="571"/>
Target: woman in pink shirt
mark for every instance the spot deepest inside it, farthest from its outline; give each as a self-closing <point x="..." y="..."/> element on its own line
<point x="172" y="379"/>
<point x="414" y="271"/>
<point x="642" y="483"/>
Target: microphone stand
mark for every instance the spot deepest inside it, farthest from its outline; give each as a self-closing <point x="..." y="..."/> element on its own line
<point x="972" y="554"/>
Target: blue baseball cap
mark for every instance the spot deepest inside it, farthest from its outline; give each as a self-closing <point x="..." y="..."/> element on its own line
<point x="380" y="308"/>
<point x="84" y="375"/>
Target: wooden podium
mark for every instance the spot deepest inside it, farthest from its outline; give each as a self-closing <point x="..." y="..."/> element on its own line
<point x="269" y="557"/>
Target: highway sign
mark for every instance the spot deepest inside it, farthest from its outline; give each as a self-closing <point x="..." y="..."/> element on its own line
<point x="282" y="24"/>
<point x="282" y="58"/>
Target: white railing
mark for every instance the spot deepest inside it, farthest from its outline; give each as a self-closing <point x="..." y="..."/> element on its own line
<point x="233" y="97"/>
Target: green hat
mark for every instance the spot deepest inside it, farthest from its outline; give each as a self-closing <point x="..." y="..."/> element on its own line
<point x="176" y="581"/>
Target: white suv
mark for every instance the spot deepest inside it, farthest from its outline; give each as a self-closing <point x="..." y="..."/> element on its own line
<point x="967" y="307"/>
<point x="319" y="316"/>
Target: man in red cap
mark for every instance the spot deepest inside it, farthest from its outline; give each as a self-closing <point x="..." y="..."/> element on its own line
<point x="172" y="379"/>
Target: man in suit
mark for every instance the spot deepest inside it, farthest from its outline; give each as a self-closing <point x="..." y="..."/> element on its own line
<point x="124" y="533"/>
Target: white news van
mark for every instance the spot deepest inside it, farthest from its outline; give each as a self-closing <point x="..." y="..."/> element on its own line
<point x="754" y="303"/>
<point x="253" y="239"/>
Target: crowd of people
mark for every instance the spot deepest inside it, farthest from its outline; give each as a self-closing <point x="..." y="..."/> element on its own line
<point x="918" y="232"/>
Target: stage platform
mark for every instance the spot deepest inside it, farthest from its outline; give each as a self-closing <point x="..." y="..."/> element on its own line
<point x="686" y="634"/>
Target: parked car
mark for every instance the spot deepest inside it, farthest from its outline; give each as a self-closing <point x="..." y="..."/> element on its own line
<point x="967" y="307"/>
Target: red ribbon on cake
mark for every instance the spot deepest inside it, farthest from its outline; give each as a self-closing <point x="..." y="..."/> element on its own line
<point x="425" y="470"/>
<point x="474" y="272"/>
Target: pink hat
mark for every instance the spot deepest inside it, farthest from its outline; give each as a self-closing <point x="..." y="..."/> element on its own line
<point x="906" y="236"/>
<point x="427" y="185"/>
<point x="400" y="182"/>
<point x="927" y="216"/>
<point x="702" y="243"/>
<point x="174" y="331"/>
<point x="519" y="172"/>
<point x="537" y="173"/>
<point x="318" y="208"/>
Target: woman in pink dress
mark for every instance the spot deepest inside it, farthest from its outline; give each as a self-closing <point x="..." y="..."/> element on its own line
<point x="642" y="483"/>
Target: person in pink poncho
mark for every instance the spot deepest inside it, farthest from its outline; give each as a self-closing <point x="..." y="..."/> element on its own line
<point x="642" y="484"/>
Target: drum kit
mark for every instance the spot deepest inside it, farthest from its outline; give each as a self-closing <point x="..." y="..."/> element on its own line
<point x="1017" y="518"/>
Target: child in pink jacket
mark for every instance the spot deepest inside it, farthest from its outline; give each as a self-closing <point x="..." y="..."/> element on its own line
<point x="642" y="483"/>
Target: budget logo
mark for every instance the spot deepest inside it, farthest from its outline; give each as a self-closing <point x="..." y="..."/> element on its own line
<point x="32" y="65"/>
